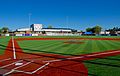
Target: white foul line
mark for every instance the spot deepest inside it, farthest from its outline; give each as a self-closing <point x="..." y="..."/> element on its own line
<point x="22" y="65"/>
<point x="14" y="69"/>
<point x="5" y="60"/>
<point x="40" y="68"/>
<point x="14" y="53"/>
<point x="11" y="64"/>
<point x="104" y="53"/>
<point x="34" y="70"/>
<point x="8" y="73"/>
<point x="22" y="71"/>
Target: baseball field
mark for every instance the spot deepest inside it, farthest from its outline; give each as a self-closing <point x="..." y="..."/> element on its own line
<point x="60" y="56"/>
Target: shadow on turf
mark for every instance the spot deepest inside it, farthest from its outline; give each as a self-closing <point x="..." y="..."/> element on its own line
<point x="61" y="54"/>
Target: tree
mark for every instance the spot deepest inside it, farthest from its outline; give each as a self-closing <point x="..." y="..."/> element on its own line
<point x="50" y="26"/>
<point x="0" y="30"/>
<point x="81" y="31"/>
<point x="114" y="30"/>
<point x="43" y="32"/>
<point x="97" y="29"/>
<point x="89" y="29"/>
<point x="74" y="31"/>
<point x="5" y="30"/>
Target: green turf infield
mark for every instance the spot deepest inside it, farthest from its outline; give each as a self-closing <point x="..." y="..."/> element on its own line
<point x="60" y="47"/>
<point x="109" y="66"/>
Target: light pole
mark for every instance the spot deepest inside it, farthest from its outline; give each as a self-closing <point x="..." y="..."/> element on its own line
<point x="67" y="20"/>
<point x="29" y="19"/>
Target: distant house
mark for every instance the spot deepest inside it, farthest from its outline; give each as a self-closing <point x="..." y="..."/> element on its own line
<point x="23" y="30"/>
<point x="114" y="32"/>
<point x="118" y="33"/>
<point x="104" y="32"/>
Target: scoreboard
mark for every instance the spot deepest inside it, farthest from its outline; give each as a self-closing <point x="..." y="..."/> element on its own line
<point x="37" y="27"/>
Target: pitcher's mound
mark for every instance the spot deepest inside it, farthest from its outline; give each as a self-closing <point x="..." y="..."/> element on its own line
<point x="73" y="42"/>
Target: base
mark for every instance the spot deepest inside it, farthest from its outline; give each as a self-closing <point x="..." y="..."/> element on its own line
<point x="18" y="64"/>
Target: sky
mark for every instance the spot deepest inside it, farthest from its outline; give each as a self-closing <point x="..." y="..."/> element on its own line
<point x="76" y="14"/>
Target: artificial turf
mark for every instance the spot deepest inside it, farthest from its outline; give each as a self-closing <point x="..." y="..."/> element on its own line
<point x="109" y="66"/>
<point x="3" y="44"/>
<point x="59" y="47"/>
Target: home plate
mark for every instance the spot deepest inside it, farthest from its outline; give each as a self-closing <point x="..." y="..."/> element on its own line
<point x="17" y="64"/>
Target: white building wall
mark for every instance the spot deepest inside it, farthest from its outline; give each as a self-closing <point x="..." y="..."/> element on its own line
<point x="56" y="30"/>
<point x="23" y="29"/>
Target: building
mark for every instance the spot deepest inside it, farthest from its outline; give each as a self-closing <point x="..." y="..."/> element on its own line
<point x="38" y="29"/>
<point x="23" y="30"/>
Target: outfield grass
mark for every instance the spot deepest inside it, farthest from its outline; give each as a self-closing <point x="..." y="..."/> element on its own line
<point x="3" y="44"/>
<point x="59" y="47"/>
<point x="109" y="66"/>
<point x="63" y="48"/>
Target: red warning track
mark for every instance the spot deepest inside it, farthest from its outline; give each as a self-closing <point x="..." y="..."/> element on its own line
<point x="18" y="39"/>
<point x="47" y="64"/>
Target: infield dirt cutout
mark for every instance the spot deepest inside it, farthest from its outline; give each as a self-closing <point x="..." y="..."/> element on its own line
<point x="47" y="64"/>
<point x="73" y="42"/>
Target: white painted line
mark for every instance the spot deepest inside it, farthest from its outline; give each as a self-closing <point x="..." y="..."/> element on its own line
<point x="15" y="69"/>
<point x="5" y="60"/>
<point x="65" y="59"/>
<point x="8" y="73"/>
<point x="14" y="53"/>
<point x="11" y="64"/>
<point x="76" y="57"/>
<point x="104" y="53"/>
<point x="18" y="70"/>
<point x="40" y="68"/>
<point x="22" y="65"/>
<point x="22" y="71"/>
<point x="53" y="60"/>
